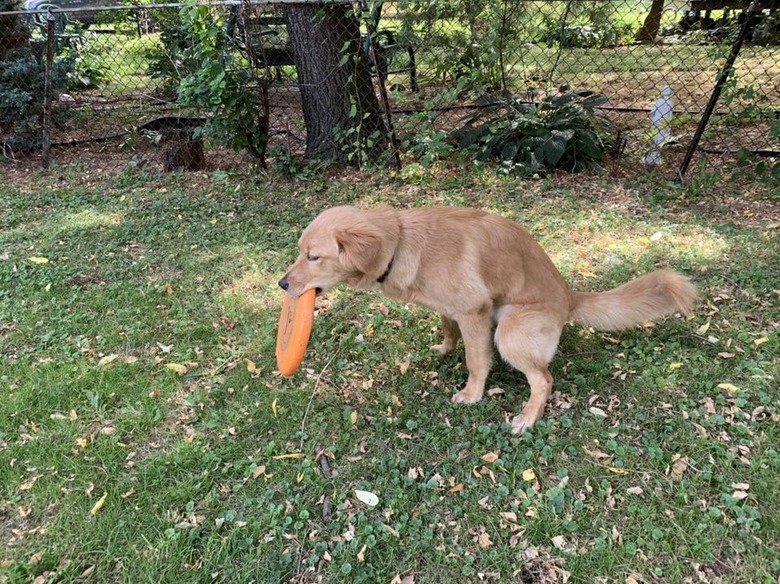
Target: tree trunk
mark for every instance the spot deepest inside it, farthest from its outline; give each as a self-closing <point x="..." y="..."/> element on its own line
<point x="652" y="25"/>
<point x="343" y="119"/>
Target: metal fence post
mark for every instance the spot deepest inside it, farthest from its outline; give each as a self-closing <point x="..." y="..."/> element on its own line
<point x="48" y="96"/>
<point x="723" y="76"/>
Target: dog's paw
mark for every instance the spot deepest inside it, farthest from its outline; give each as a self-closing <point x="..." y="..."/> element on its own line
<point x="522" y="422"/>
<point x="465" y="396"/>
<point x="443" y="349"/>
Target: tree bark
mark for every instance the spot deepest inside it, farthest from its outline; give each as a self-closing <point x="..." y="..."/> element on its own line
<point x="649" y="30"/>
<point x="343" y="119"/>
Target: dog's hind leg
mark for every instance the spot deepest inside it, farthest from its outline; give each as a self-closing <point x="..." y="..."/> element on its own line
<point x="527" y="340"/>
<point x="475" y="328"/>
<point x="451" y="332"/>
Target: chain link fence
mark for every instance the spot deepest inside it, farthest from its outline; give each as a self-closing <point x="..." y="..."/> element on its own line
<point x="225" y="84"/>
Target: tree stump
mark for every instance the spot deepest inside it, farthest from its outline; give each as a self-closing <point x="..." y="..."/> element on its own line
<point x="181" y="151"/>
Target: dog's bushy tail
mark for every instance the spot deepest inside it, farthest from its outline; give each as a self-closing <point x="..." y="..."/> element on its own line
<point x="648" y="297"/>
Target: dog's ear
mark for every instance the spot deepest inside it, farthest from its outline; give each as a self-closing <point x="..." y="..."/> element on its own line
<point x="360" y="249"/>
<point x="368" y="242"/>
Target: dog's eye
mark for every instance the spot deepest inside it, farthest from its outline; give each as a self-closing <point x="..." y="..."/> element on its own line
<point x="312" y="258"/>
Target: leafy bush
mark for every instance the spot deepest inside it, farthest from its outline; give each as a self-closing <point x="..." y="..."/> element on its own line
<point x="584" y="36"/>
<point x="22" y="86"/>
<point x="221" y="82"/>
<point x="562" y="132"/>
<point x="174" y="59"/>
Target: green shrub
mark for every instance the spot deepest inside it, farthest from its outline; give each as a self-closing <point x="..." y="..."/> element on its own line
<point x="563" y="131"/>
<point x="226" y="83"/>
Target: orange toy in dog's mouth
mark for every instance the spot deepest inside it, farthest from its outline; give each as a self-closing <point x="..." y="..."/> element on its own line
<point x="295" y="324"/>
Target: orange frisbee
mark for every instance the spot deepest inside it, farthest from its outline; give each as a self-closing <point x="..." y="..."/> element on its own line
<point x="294" y="330"/>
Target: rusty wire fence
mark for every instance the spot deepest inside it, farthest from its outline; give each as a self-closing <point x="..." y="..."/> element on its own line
<point x="225" y="84"/>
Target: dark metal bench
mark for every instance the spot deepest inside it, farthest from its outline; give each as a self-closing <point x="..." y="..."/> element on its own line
<point x="280" y="55"/>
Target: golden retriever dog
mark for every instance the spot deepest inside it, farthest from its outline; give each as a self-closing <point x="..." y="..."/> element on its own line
<point x="476" y="270"/>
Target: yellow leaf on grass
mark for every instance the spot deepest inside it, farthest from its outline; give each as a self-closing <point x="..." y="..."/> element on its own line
<point x="616" y="470"/>
<point x="490" y="457"/>
<point x="108" y="359"/>
<point x="703" y="328"/>
<point x="293" y="455"/>
<point x="99" y="505"/>
<point x="761" y="341"/>
<point x="728" y="387"/>
<point x="529" y="474"/>
<point x="353" y="418"/>
<point x="275" y="407"/>
<point x="251" y="367"/>
<point x="177" y="367"/>
<point x="361" y="557"/>
<point x="673" y="366"/>
<point x="39" y="260"/>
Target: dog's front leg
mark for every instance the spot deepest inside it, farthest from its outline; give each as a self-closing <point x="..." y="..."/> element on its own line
<point x="451" y="332"/>
<point x="475" y="328"/>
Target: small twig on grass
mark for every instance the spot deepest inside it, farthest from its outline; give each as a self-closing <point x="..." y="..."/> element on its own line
<point x="320" y="452"/>
<point x="328" y="475"/>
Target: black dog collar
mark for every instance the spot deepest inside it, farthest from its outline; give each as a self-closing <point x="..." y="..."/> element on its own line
<point x="384" y="276"/>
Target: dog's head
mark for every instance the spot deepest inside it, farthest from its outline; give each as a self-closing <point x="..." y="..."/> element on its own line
<point x="344" y="245"/>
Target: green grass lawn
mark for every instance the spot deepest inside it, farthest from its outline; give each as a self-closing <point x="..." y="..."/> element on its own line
<point x="145" y="437"/>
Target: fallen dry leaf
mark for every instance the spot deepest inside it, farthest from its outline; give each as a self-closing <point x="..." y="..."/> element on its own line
<point x="99" y="505"/>
<point x="490" y="457"/>
<point x="108" y="359"/>
<point x="367" y="497"/>
<point x="679" y="467"/>
<point x="484" y="540"/>
<point x="559" y="542"/>
<point x="28" y="484"/>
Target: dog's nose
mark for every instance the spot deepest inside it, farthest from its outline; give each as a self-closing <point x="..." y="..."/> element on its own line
<point x="284" y="284"/>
